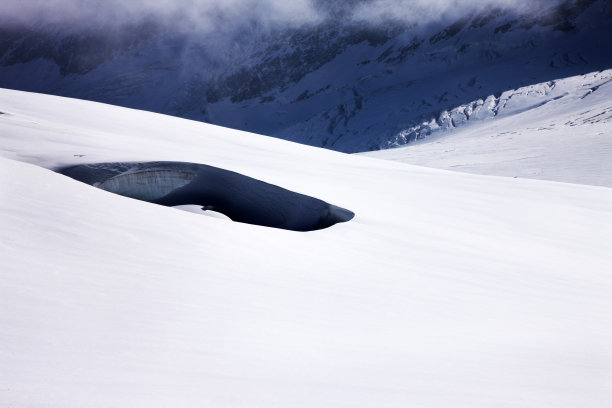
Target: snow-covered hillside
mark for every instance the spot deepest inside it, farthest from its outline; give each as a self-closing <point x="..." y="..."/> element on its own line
<point x="559" y="130"/>
<point x="446" y="290"/>
<point x="341" y="83"/>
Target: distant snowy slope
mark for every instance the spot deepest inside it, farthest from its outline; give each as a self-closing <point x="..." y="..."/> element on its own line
<point x="446" y="290"/>
<point x="559" y="130"/>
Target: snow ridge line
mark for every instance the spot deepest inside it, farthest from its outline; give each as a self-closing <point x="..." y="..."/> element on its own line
<point x="528" y="97"/>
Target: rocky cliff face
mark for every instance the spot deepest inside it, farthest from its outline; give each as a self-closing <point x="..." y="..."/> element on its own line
<point x="339" y="83"/>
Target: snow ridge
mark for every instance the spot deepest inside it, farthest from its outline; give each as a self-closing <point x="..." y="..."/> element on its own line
<point x="511" y="102"/>
<point x="558" y="130"/>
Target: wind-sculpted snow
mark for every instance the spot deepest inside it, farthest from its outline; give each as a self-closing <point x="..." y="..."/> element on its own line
<point x="241" y="198"/>
<point x="448" y="290"/>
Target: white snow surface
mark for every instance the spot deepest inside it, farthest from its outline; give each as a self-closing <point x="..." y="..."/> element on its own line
<point x="446" y="290"/>
<point x="559" y="130"/>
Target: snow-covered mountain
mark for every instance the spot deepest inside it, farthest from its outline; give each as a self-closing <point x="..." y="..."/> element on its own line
<point x="344" y="280"/>
<point x="559" y="130"/>
<point x="341" y="82"/>
<point x="446" y="289"/>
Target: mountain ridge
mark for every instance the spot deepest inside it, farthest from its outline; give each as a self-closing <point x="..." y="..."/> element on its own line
<point x="340" y="83"/>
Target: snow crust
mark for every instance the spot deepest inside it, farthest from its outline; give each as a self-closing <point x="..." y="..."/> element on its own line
<point x="446" y="290"/>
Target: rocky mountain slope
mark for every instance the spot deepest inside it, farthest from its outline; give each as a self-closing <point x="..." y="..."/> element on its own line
<point x="342" y="83"/>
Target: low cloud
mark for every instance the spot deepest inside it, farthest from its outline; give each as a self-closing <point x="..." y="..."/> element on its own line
<point x="203" y="14"/>
<point x="228" y="15"/>
<point x="432" y="11"/>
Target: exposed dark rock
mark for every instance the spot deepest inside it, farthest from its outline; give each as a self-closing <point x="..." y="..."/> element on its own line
<point x="487" y="16"/>
<point x="310" y="50"/>
<point x="504" y="27"/>
<point x="450" y="31"/>
<point x="74" y="53"/>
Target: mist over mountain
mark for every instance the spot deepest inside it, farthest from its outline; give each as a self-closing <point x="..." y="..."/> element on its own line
<point x="346" y="75"/>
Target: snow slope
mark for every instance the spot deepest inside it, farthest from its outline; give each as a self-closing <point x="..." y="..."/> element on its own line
<point x="446" y="290"/>
<point x="559" y="130"/>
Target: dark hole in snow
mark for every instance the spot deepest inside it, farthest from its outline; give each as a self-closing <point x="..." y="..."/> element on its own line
<point x="239" y="197"/>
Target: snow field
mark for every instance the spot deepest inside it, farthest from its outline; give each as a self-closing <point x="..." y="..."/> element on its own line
<point x="447" y="289"/>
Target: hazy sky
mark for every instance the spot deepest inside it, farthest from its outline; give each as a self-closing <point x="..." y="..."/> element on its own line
<point x="201" y="11"/>
<point x="216" y="14"/>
